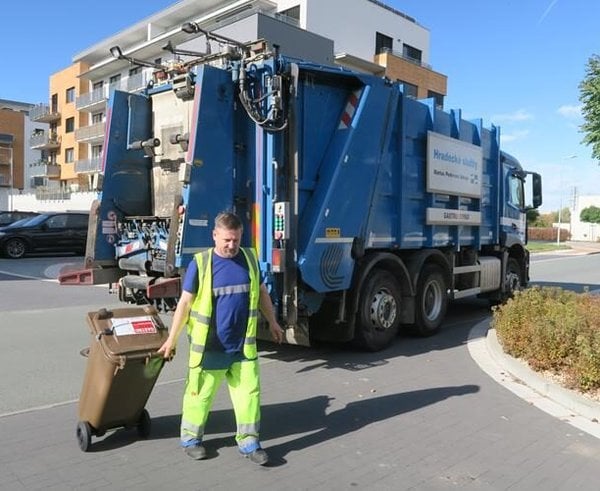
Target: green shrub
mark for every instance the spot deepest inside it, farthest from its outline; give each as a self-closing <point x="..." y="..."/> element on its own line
<point x="553" y="329"/>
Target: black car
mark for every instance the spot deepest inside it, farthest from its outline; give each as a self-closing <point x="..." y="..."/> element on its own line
<point x="8" y="217"/>
<point x="56" y="232"/>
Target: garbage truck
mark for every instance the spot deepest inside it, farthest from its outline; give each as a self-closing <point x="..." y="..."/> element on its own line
<point x="370" y="210"/>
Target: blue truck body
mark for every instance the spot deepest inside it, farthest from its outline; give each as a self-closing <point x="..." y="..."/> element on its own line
<point x="370" y="210"/>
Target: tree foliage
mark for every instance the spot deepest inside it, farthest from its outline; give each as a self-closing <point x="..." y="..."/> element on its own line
<point x="589" y="96"/>
<point x="591" y="214"/>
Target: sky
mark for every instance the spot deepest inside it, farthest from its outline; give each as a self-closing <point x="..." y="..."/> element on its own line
<point x="516" y="64"/>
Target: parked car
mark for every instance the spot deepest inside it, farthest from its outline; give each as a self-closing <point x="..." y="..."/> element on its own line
<point x="56" y="232"/>
<point x="8" y="217"/>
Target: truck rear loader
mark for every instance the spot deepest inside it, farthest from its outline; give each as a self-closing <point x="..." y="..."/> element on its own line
<point x="370" y="210"/>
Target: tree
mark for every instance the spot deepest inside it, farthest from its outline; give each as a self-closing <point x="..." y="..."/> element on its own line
<point x="532" y="216"/>
<point x="589" y="96"/>
<point x="591" y="214"/>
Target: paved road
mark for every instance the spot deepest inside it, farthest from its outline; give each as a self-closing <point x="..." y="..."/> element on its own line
<point x="421" y="415"/>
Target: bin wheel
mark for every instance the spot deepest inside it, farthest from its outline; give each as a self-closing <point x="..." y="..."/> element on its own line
<point x="84" y="435"/>
<point x="144" y="424"/>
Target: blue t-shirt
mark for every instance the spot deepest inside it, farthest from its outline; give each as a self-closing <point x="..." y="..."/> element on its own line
<point x="231" y="298"/>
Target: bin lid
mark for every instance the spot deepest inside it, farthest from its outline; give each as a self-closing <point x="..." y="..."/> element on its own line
<point x="128" y="331"/>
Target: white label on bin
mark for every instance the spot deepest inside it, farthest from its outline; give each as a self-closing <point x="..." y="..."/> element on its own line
<point x="126" y="326"/>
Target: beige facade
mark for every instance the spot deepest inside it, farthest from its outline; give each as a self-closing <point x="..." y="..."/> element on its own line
<point x="426" y="81"/>
<point x="12" y="155"/>
<point x="60" y="144"/>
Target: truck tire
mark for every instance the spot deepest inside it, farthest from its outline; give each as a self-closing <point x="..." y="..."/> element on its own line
<point x="378" y="316"/>
<point x="431" y="302"/>
<point x="512" y="280"/>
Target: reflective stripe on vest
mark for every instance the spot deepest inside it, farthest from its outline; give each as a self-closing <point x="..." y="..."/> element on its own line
<point x="201" y="310"/>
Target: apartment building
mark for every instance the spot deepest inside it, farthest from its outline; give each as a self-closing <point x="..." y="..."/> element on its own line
<point x="364" y="35"/>
<point x="17" y="158"/>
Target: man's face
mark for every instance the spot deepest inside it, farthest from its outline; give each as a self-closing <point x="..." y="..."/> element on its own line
<point x="227" y="242"/>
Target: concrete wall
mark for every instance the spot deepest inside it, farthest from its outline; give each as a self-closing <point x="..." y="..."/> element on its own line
<point x="77" y="202"/>
<point x="337" y="20"/>
<point x="581" y="230"/>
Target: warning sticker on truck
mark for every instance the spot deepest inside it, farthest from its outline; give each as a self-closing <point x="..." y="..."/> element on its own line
<point x="126" y="326"/>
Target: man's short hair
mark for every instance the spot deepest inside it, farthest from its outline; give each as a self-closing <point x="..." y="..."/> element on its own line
<point x="228" y="221"/>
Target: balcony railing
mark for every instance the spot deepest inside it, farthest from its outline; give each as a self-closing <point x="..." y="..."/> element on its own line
<point x="6" y="156"/>
<point x="88" y="166"/>
<point x="92" y="132"/>
<point x="402" y="56"/>
<point x="5" y="181"/>
<point x="94" y="98"/>
<point x="44" y="141"/>
<point x="52" y="193"/>
<point x="135" y="82"/>
<point x="46" y="170"/>
<point x="43" y="113"/>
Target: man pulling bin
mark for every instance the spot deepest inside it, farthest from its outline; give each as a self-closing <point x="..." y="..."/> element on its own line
<point x="222" y="291"/>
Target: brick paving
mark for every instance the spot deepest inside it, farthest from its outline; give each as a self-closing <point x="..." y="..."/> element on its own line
<point x="419" y="416"/>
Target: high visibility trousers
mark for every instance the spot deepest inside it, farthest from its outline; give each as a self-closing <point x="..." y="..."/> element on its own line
<point x="201" y="387"/>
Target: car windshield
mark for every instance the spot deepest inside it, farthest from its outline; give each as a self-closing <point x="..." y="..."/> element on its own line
<point x="19" y="223"/>
<point x="37" y="219"/>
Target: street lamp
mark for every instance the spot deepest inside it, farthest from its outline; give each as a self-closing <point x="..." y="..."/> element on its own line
<point x="561" y="202"/>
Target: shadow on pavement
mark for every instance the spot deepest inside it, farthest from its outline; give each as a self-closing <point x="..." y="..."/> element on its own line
<point x="295" y="418"/>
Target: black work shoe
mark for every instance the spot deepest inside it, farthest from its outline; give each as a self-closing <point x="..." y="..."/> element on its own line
<point x="258" y="456"/>
<point x="196" y="452"/>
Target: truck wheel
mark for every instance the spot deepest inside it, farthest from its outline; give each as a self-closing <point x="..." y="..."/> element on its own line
<point x="378" y="316"/>
<point x="512" y="280"/>
<point x="432" y="300"/>
<point x="15" y="248"/>
<point x="84" y="435"/>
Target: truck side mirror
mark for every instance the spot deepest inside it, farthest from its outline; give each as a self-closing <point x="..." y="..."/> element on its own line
<point x="537" y="190"/>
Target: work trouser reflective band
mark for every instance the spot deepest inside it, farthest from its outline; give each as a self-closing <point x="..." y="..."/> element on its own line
<point x="244" y="389"/>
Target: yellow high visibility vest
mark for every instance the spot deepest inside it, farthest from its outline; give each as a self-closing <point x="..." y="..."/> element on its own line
<point x="201" y="310"/>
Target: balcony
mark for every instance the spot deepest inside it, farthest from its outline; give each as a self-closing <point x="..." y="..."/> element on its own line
<point x="88" y="166"/>
<point x="6" y="156"/>
<point x="5" y="181"/>
<point x="52" y="193"/>
<point x="43" y="141"/>
<point x="90" y="133"/>
<point x="42" y="113"/>
<point x="92" y="101"/>
<point x="136" y="82"/>
<point x="42" y="168"/>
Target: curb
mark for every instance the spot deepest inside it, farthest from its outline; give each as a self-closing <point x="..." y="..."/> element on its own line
<point x="569" y="399"/>
<point x="564" y="404"/>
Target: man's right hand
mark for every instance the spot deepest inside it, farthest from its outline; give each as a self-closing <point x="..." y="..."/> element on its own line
<point x="167" y="349"/>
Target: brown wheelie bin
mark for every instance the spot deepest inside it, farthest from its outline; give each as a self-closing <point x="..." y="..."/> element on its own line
<point x="122" y="368"/>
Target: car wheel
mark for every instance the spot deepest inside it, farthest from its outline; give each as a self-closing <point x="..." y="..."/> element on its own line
<point x="15" y="248"/>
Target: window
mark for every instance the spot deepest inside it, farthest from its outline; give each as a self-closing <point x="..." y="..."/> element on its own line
<point x="69" y="155"/>
<point x="54" y="103"/>
<point x="57" y="221"/>
<point x="383" y="43"/>
<point x="115" y="79"/>
<point x="97" y="118"/>
<point x="158" y="61"/>
<point x="438" y="98"/>
<point x="70" y="94"/>
<point x="69" y="125"/>
<point x="292" y="12"/>
<point x="412" y="53"/>
<point x="96" y="151"/>
<point x="135" y="70"/>
<point x="516" y="195"/>
<point x="98" y="85"/>
<point x="410" y="90"/>
<point x="78" y="221"/>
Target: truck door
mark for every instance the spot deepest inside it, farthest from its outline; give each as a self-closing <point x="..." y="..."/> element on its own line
<point x="513" y="220"/>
